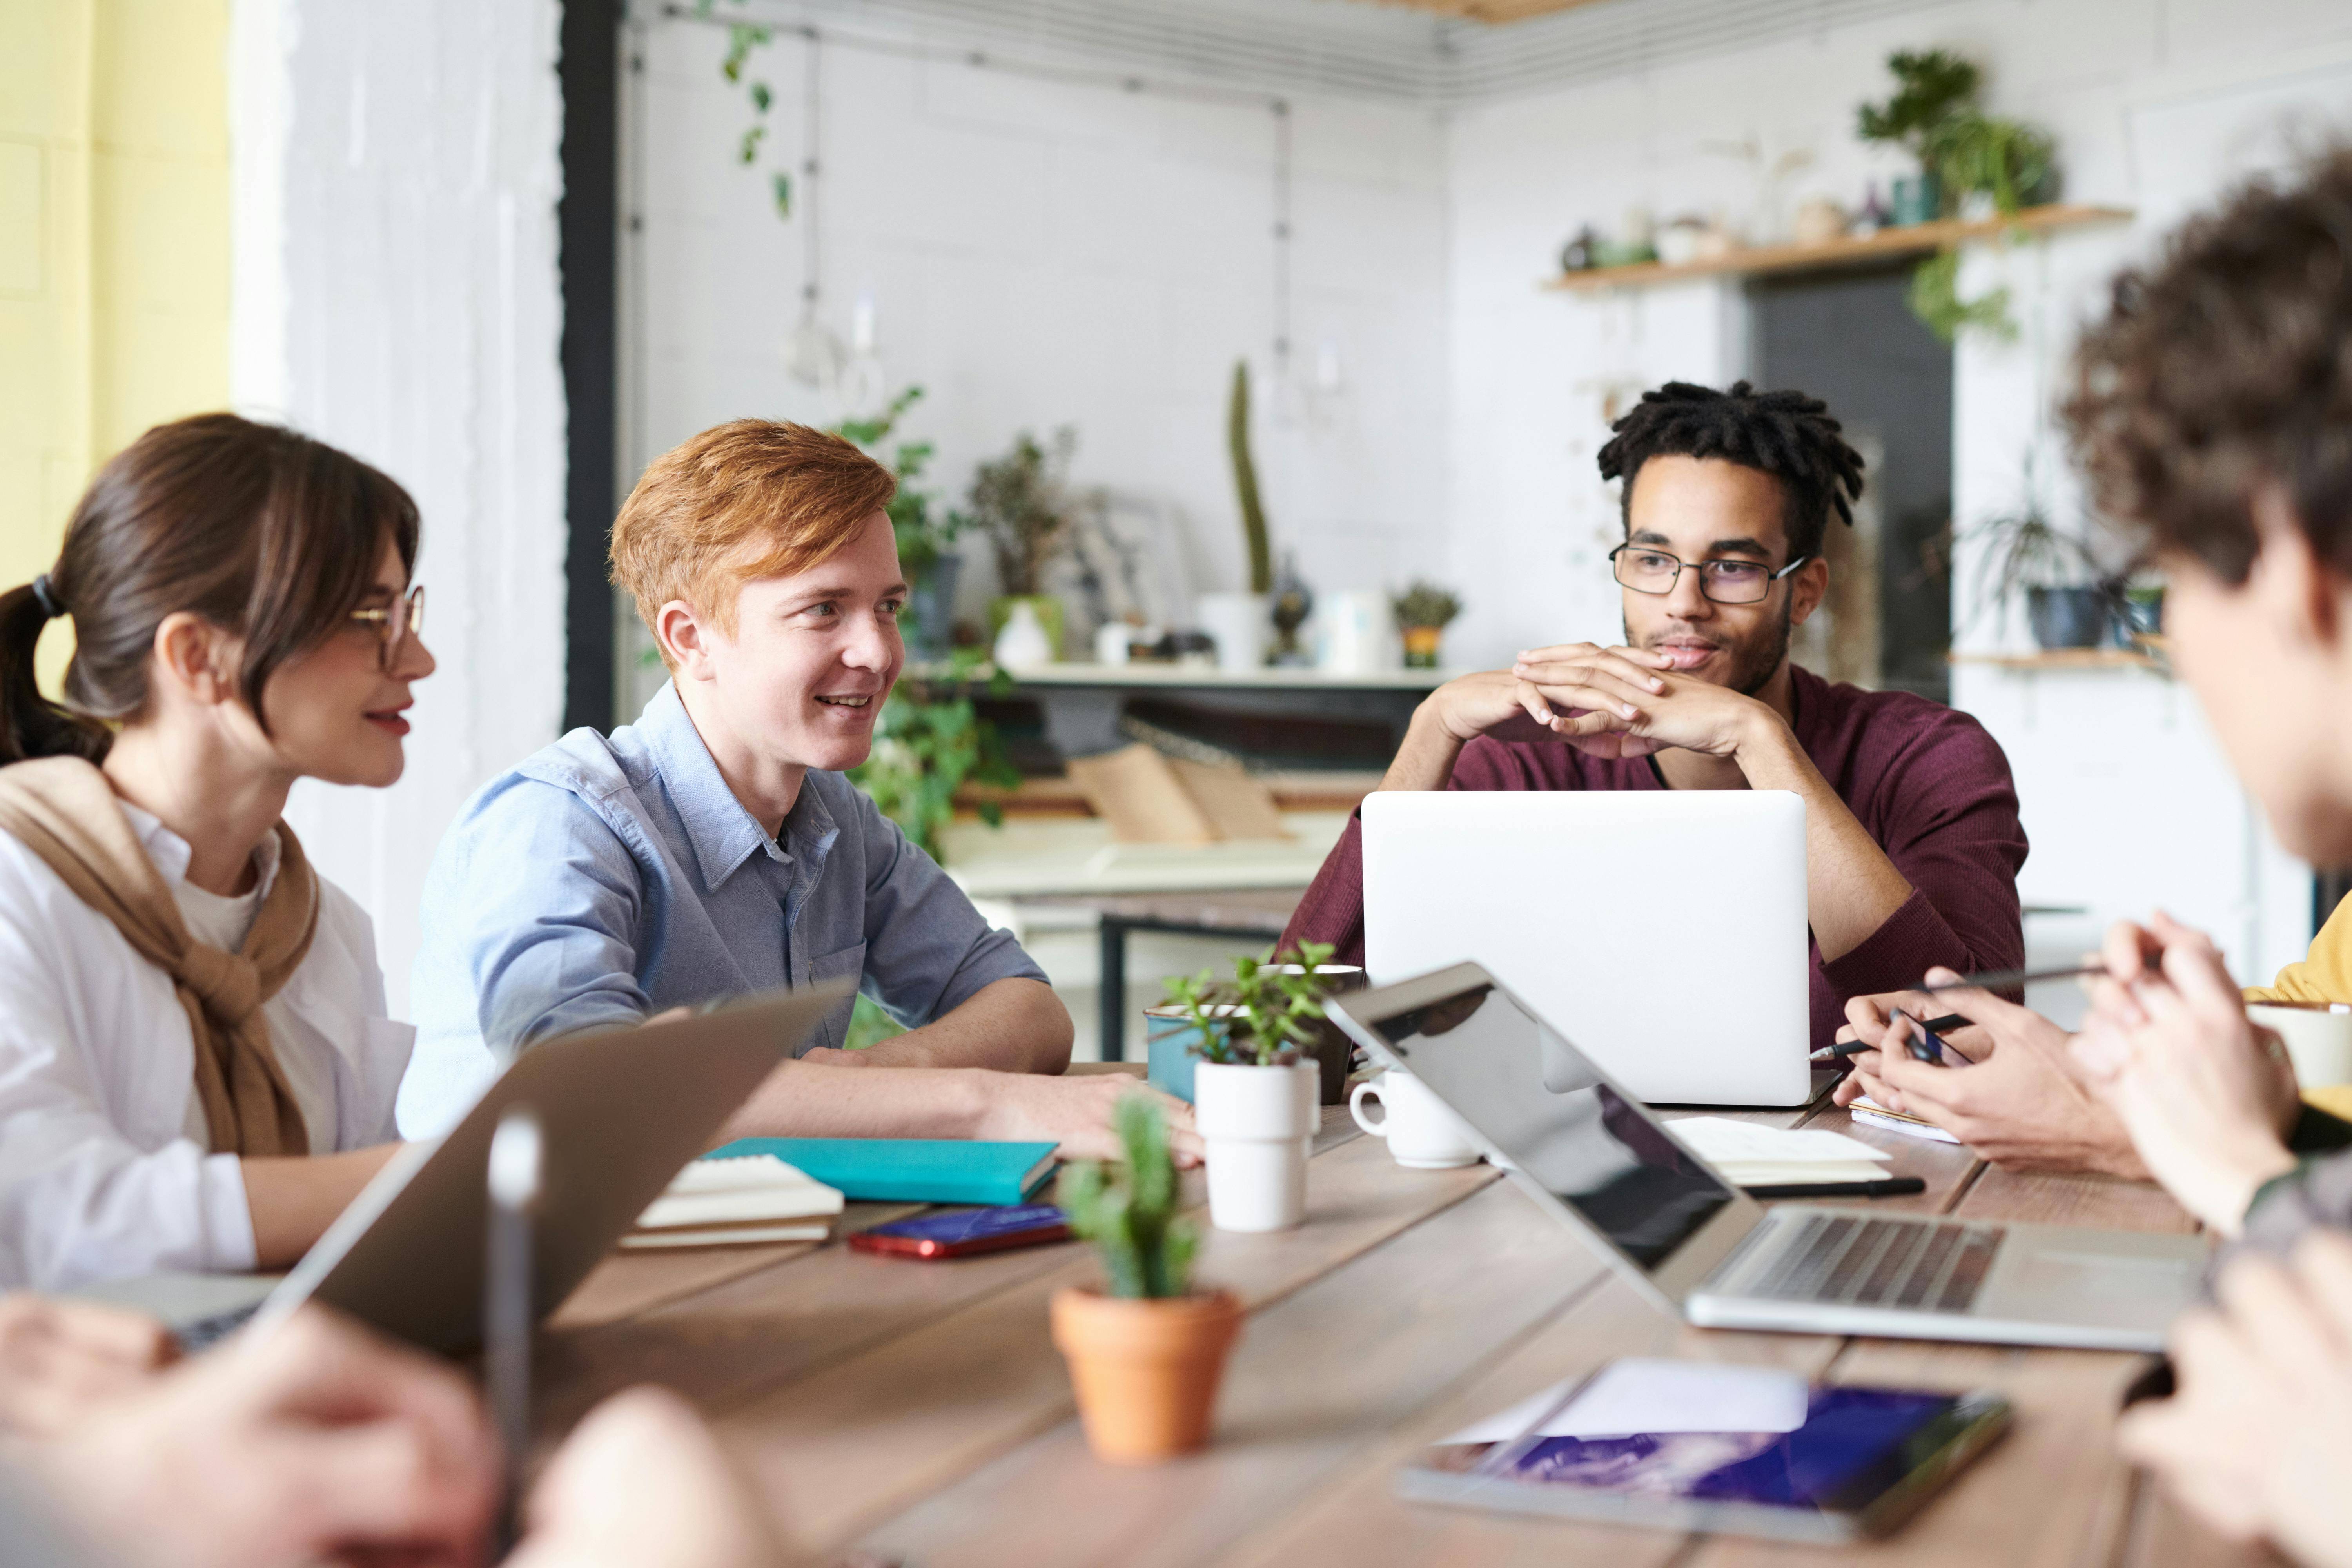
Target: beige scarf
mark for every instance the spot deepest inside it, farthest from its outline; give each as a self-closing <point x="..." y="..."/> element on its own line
<point x="63" y="810"/>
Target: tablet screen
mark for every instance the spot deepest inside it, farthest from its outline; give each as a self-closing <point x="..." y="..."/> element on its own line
<point x="1854" y="1443"/>
<point x="1540" y="1100"/>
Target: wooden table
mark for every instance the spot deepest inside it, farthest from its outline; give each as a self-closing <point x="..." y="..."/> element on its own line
<point x="920" y="1412"/>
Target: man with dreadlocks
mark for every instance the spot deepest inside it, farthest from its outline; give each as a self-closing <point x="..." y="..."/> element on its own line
<point x="1911" y="836"/>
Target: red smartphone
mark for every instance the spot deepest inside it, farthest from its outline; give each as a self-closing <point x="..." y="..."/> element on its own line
<point x="969" y="1231"/>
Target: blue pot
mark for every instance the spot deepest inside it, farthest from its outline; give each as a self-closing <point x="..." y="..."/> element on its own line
<point x="1918" y="198"/>
<point x="932" y="603"/>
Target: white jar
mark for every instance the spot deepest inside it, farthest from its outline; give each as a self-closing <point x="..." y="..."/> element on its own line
<point x="1240" y="625"/>
<point x="1259" y="1126"/>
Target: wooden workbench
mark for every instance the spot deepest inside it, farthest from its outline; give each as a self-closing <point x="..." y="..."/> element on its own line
<point x="919" y="1411"/>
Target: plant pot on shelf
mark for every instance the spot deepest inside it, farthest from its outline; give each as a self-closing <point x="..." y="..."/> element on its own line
<point x="1045" y="607"/>
<point x="930" y="604"/>
<point x="1258" y="1123"/>
<point x="1918" y="198"/>
<point x="1146" y="1372"/>
<point x="1025" y="637"/>
<point x="2068" y="618"/>
<point x="1240" y="625"/>
<point x="1421" y="645"/>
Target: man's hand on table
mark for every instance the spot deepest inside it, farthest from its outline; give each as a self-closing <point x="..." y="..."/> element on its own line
<point x="2257" y="1443"/>
<point x="2208" y="1098"/>
<point x="1075" y="1113"/>
<point x="2022" y="1104"/>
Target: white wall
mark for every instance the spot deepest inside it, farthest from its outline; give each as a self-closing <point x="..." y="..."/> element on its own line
<point x="2156" y="105"/>
<point x="1041" y="253"/>
<point x="396" y="294"/>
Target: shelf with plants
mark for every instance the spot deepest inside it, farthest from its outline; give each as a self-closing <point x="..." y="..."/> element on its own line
<point x="2148" y="656"/>
<point x="1886" y="244"/>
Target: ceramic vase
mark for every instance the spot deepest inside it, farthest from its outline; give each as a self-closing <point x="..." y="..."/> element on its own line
<point x="932" y="602"/>
<point x="1024" y="643"/>
<point x="1258" y="1123"/>
<point x="1145" y="1371"/>
<point x="1240" y="625"/>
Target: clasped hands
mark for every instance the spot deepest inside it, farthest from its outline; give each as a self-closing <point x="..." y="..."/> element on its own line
<point x="1614" y="703"/>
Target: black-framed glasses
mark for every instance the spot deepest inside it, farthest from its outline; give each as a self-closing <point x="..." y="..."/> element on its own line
<point x="394" y="626"/>
<point x="1727" y="580"/>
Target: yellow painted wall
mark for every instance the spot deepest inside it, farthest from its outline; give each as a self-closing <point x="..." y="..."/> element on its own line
<point x="114" y="243"/>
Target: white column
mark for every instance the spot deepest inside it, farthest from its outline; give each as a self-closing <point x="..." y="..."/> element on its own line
<point x="396" y="293"/>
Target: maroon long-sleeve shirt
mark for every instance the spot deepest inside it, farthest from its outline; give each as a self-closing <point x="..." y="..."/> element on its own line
<point x="1923" y="781"/>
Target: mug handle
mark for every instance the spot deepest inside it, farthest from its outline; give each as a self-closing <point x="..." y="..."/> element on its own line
<point x="1356" y="1107"/>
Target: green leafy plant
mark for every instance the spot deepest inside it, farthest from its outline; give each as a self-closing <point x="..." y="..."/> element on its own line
<point x="744" y="39"/>
<point x="1929" y="84"/>
<point x="1130" y="1212"/>
<point x="1934" y="296"/>
<point x="1424" y="605"/>
<point x="2025" y="550"/>
<point x="927" y="743"/>
<point x="1237" y="443"/>
<point x="922" y="538"/>
<point x="1265" y="1014"/>
<point x="2008" y="160"/>
<point x="1018" y="503"/>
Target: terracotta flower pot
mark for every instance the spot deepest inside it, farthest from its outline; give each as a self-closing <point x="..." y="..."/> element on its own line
<point x="1420" y="647"/>
<point x="1146" y="1372"/>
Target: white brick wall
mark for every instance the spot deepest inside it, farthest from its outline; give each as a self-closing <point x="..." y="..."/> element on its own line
<point x="396" y="294"/>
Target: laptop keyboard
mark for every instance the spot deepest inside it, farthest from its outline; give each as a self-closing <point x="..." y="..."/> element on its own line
<point x="1861" y="1261"/>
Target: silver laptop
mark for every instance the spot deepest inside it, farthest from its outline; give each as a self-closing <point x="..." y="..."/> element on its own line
<point x="1591" y="1154"/>
<point x="1563" y="894"/>
<point x="620" y="1112"/>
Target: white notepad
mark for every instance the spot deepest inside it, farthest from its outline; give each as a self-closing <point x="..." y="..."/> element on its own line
<point x="1753" y="1156"/>
<point x="756" y="1189"/>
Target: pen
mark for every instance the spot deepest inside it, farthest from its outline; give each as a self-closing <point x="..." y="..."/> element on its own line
<point x="2010" y="979"/>
<point x="1855" y="1047"/>
<point x="514" y="1181"/>
<point x="1892" y="1187"/>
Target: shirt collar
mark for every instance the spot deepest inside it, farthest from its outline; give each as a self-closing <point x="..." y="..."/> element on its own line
<point x="722" y="834"/>
<point x="171" y="854"/>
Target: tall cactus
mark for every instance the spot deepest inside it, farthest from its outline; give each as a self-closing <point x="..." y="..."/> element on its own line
<point x="1261" y="553"/>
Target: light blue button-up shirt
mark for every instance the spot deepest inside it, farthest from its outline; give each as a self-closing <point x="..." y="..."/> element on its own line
<point x="609" y="878"/>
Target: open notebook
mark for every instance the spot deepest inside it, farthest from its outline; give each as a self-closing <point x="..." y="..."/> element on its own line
<point x="748" y="1198"/>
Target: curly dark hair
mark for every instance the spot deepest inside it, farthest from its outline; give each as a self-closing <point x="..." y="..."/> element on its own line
<point x="1784" y="434"/>
<point x="2226" y="367"/>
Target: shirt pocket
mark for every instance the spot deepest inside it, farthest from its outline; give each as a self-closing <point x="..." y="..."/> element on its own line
<point x="846" y="964"/>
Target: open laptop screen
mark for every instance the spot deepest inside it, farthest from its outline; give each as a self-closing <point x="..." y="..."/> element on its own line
<point x="1537" y="1099"/>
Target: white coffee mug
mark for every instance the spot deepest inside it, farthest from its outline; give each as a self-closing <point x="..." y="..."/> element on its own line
<point x="2318" y="1038"/>
<point x="1421" y="1134"/>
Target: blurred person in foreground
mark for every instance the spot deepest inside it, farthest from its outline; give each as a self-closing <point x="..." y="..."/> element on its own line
<point x="2212" y="410"/>
<point x="320" y="1441"/>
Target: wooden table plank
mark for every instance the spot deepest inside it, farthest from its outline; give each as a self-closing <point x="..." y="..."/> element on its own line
<point x="862" y="1438"/>
<point x="1357" y="1518"/>
<point x="2105" y="1202"/>
<point x="1317" y="1380"/>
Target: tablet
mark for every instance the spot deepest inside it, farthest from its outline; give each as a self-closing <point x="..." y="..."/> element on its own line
<point x="1732" y="1449"/>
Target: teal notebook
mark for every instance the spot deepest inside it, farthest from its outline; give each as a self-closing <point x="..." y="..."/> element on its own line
<point x="910" y="1170"/>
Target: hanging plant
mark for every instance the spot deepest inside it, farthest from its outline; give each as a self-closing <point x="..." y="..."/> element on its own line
<point x="1934" y="298"/>
<point x="743" y="40"/>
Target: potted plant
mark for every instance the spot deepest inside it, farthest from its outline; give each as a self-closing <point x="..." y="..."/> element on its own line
<point x="1147" y="1350"/>
<point x="1422" y="613"/>
<point x="1017" y="501"/>
<point x="2029" y="557"/>
<point x="1239" y="623"/>
<point x="1929" y="84"/>
<point x="932" y="568"/>
<point x="1256" y="1084"/>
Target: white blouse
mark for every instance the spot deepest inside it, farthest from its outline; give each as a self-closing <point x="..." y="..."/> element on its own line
<point x="103" y="1165"/>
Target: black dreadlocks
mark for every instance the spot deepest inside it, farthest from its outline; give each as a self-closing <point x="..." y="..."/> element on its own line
<point x="1785" y="434"/>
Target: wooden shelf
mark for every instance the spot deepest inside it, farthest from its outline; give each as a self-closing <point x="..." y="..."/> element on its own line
<point x="1916" y="239"/>
<point x="1271" y="678"/>
<point x="2067" y="659"/>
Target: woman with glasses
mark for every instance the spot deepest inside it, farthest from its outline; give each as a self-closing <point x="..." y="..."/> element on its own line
<point x="196" y="1071"/>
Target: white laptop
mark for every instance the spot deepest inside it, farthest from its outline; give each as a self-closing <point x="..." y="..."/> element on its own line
<point x="1596" y="1160"/>
<point x="1664" y="932"/>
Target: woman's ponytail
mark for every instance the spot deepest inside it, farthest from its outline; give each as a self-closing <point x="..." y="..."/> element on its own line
<point x="30" y="724"/>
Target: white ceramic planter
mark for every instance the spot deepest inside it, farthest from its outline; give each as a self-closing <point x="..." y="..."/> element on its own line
<point x="1240" y="625"/>
<point x="1259" y="1125"/>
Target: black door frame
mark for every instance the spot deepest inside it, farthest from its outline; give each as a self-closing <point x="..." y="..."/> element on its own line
<point x="588" y="226"/>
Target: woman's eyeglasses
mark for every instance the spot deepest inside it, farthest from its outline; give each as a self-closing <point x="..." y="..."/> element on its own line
<point x="1727" y="580"/>
<point x="394" y="626"/>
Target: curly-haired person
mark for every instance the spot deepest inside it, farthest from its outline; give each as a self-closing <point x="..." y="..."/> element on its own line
<point x="1911" y="836"/>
